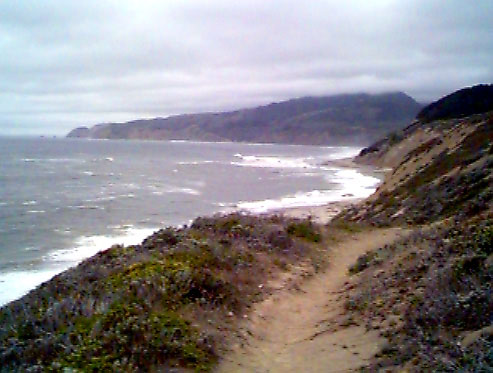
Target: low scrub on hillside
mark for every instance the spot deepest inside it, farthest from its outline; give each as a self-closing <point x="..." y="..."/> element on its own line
<point x="432" y="295"/>
<point x="168" y="302"/>
<point x="454" y="181"/>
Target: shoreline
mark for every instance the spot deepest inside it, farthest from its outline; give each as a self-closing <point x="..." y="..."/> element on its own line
<point x="318" y="214"/>
<point x="323" y="214"/>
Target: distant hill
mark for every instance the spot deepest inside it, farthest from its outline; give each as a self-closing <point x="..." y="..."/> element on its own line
<point x="330" y="120"/>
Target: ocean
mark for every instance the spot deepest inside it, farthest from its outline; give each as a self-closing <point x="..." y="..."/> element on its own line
<point x="63" y="200"/>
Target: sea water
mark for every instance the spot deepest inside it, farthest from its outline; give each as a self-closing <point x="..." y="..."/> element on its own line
<point x="63" y="200"/>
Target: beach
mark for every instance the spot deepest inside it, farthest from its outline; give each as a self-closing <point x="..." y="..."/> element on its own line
<point x="325" y="213"/>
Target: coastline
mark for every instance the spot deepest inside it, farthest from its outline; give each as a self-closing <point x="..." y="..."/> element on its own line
<point x="70" y="257"/>
<point x="325" y="213"/>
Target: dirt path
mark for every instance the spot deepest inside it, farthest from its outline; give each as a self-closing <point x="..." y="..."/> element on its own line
<point x="300" y="330"/>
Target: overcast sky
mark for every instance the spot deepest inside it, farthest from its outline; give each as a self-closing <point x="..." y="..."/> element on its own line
<point x="69" y="63"/>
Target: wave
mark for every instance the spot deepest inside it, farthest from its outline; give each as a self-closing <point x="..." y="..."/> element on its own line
<point x="349" y="184"/>
<point x="271" y="162"/>
<point x="88" y="246"/>
<point x="195" y="163"/>
<point x="161" y="190"/>
<point x="15" y="284"/>
<point x="184" y="190"/>
<point x="105" y="159"/>
<point x="343" y="152"/>
<point x="56" y="160"/>
<point x="29" y="203"/>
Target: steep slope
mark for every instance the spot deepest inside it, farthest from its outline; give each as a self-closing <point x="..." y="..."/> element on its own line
<point x="439" y="168"/>
<point x="430" y="294"/>
<point x="341" y="119"/>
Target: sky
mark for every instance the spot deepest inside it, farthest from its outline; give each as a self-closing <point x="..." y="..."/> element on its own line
<point x="65" y="64"/>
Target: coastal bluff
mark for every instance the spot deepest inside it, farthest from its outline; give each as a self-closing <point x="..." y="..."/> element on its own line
<point x="351" y="119"/>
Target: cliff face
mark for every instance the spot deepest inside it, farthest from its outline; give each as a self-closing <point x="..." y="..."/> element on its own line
<point x="343" y="119"/>
<point x="439" y="167"/>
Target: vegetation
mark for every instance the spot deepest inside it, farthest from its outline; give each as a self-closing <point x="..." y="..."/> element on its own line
<point x="463" y="103"/>
<point x="453" y="181"/>
<point x="167" y="303"/>
<point x="433" y="295"/>
<point x="430" y="293"/>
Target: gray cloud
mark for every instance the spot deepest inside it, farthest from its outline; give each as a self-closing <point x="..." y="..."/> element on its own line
<point x="78" y="63"/>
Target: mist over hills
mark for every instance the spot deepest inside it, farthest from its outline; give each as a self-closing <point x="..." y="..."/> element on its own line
<point x="349" y="119"/>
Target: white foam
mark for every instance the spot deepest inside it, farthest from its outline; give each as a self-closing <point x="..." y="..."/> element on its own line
<point x="350" y="185"/>
<point x="101" y="199"/>
<point x="30" y="203"/>
<point x="271" y="162"/>
<point x="86" y="207"/>
<point x="185" y="191"/>
<point x="56" y="160"/>
<point x="36" y="211"/>
<point x="15" y="284"/>
<point x="195" y="163"/>
<point x="160" y="190"/>
<point x="343" y="152"/>
<point x="88" y="246"/>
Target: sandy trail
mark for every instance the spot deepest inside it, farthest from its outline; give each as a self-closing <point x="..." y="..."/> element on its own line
<point x="299" y="330"/>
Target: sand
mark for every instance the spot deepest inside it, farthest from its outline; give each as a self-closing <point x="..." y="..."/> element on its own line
<point x="323" y="214"/>
<point x="319" y="214"/>
<point x="303" y="328"/>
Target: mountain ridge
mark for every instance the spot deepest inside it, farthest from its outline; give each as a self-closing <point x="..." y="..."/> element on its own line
<point x="325" y="120"/>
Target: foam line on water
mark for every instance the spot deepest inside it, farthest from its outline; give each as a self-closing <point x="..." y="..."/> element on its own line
<point x="350" y="184"/>
<point x="88" y="246"/>
<point x="14" y="284"/>
<point x="270" y="162"/>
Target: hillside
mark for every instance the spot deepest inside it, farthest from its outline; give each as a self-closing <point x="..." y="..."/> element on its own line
<point x="168" y="303"/>
<point x="430" y="294"/>
<point x="341" y="119"/>
<point x="440" y="168"/>
<point x="399" y="282"/>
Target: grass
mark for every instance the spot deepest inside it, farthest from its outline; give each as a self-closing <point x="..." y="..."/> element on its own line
<point x="304" y="229"/>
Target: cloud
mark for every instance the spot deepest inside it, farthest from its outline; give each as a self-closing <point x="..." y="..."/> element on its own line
<point x="79" y="63"/>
